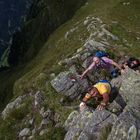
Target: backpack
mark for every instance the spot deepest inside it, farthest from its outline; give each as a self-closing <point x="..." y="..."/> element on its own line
<point x="100" y="54"/>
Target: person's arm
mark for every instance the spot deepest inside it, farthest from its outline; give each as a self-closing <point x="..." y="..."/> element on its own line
<point x="104" y="102"/>
<point x="85" y="99"/>
<point x="116" y="65"/>
<point x="119" y="67"/>
<point x="110" y="61"/>
<point x="88" y="69"/>
<point x="105" y="98"/>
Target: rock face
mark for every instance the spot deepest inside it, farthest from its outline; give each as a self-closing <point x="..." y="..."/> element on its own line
<point x="128" y="123"/>
<point x="13" y="105"/>
<point x="87" y="125"/>
<point x="69" y="84"/>
<point x="125" y="128"/>
<point x="130" y="88"/>
<point x="24" y="132"/>
<point x="98" y="125"/>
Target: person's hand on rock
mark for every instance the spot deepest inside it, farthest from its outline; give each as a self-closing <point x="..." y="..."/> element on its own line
<point x="82" y="106"/>
<point x="100" y="107"/>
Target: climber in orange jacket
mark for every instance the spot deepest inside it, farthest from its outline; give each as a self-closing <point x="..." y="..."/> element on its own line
<point x="100" y="90"/>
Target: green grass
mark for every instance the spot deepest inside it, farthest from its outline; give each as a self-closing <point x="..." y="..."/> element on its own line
<point x="7" y="130"/>
<point x="57" y="48"/>
<point x="105" y="132"/>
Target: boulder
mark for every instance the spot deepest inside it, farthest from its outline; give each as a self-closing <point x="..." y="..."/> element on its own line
<point x="92" y="46"/>
<point x="43" y="132"/>
<point x="39" y="99"/>
<point x="88" y="125"/>
<point x="69" y="84"/>
<point x="115" y="107"/>
<point x="12" y="106"/>
<point x="125" y="128"/>
<point x="130" y="88"/>
<point x="24" y="132"/>
<point x="128" y="123"/>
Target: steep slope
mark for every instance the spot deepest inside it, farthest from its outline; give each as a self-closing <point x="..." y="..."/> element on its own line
<point x="12" y="16"/>
<point x="44" y="17"/>
<point x="37" y="111"/>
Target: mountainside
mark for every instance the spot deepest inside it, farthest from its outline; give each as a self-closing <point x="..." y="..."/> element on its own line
<point x="12" y="16"/>
<point x="44" y="17"/>
<point x="40" y="94"/>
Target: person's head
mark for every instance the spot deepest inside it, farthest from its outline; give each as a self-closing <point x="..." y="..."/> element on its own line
<point x="134" y="63"/>
<point x="96" y="60"/>
<point x="94" y="91"/>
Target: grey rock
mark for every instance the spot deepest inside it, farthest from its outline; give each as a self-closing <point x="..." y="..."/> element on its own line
<point x="130" y="89"/>
<point x="109" y="34"/>
<point x="46" y="114"/>
<point x="12" y="106"/>
<point x="87" y="62"/>
<point x="62" y="82"/>
<point x="44" y="122"/>
<point x="79" y="50"/>
<point x="116" y="108"/>
<point x="70" y="61"/>
<point x="25" y="132"/>
<point x="93" y="45"/>
<point x="31" y="138"/>
<point x="42" y="110"/>
<point x="69" y="84"/>
<point x="76" y="123"/>
<point x="69" y="121"/>
<point x="70" y="32"/>
<point x="44" y="131"/>
<point x="125" y="128"/>
<point x="86" y="22"/>
<point x="73" y="69"/>
<point x="57" y="118"/>
<point x="133" y="110"/>
<point x="88" y="125"/>
<point x="39" y="99"/>
<point x="128" y="123"/>
<point x="34" y="131"/>
<point x="85" y="56"/>
<point x="116" y="82"/>
<point x="31" y="121"/>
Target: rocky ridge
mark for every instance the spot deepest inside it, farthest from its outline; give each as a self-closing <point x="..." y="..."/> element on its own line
<point x="108" y="125"/>
<point x="119" y="121"/>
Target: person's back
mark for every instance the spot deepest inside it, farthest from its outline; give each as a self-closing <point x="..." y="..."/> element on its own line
<point x="103" y="87"/>
<point x="102" y="62"/>
<point x="106" y="63"/>
<point x="100" y="90"/>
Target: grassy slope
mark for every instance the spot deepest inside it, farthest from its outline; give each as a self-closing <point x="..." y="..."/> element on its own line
<point x="57" y="48"/>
